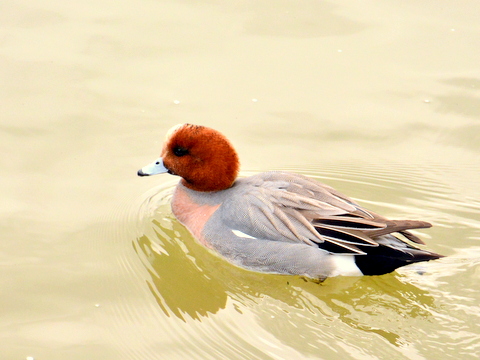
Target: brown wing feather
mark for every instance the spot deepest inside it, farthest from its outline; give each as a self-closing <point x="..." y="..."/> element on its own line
<point x="301" y="209"/>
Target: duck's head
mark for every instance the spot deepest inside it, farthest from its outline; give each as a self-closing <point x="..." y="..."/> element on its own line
<point x="203" y="157"/>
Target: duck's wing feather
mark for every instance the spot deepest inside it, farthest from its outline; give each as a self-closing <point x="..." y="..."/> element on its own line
<point x="289" y="207"/>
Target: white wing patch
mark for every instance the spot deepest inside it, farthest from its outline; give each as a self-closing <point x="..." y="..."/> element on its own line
<point x="242" y="234"/>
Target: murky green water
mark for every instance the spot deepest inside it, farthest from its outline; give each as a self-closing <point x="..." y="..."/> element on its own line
<point x="379" y="100"/>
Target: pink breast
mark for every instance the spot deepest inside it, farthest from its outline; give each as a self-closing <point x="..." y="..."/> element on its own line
<point x="191" y="214"/>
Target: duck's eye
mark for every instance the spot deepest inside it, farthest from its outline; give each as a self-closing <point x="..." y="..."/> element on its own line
<point x="179" y="151"/>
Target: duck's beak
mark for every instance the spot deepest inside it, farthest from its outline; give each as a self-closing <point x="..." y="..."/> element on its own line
<point x="154" y="168"/>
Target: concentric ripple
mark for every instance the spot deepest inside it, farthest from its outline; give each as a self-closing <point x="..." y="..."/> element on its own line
<point x="193" y="304"/>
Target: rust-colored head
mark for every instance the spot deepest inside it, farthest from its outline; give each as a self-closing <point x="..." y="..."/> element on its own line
<point x="203" y="157"/>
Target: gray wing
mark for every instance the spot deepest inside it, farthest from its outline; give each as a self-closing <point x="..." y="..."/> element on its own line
<point x="292" y="208"/>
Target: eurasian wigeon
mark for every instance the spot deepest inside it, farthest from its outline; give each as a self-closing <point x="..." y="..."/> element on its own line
<point x="277" y="222"/>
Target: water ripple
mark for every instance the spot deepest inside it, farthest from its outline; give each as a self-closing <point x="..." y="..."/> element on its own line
<point x="196" y="305"/>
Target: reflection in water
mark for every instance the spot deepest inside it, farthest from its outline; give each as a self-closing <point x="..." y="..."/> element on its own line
<point x="190" y="282"/>
<point x="177" y="279"/>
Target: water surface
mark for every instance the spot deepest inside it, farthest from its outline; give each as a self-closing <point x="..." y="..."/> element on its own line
<point x="379" y="100"/>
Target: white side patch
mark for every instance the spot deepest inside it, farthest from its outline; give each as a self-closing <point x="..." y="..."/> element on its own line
<point x="344" y="265"/>
<point x="241" y="234"/>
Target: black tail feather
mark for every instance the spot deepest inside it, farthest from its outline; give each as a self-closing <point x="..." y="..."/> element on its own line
<point x="384" y="259"/>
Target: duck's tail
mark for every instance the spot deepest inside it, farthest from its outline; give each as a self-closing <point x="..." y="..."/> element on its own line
<point x="391" y="254"/>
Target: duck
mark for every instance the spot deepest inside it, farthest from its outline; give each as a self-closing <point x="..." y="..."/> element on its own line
<point x="277" y="222"/>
